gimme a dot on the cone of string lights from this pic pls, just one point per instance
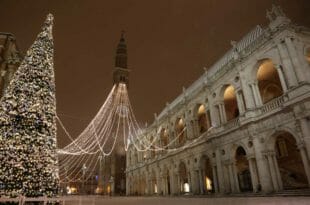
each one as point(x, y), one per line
point(28, 158)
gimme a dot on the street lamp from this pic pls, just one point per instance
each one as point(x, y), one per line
point(84, 171)
point(111, 185)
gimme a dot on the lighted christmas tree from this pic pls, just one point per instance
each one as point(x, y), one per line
point(28, 158)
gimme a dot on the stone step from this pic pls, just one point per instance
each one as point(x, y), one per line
point(294, 192)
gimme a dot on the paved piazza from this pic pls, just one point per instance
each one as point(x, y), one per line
point(186, 201)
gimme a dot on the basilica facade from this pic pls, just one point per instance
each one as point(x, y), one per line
point(243, 126)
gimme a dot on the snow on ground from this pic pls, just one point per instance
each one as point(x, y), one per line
point(88, 200)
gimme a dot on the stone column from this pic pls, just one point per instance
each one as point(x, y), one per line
point(272, 171)
point(240, 101)
point(295, 60)
point(172, 183)
point(236, 180)
point(223, 112)
point(305, 161)
point(215, 184)
point(158, 182)
point(127, 185)
point(259, 97)
point(289, 71)
point(147, 181)
point(256, 93)
point(196, 125)
point(200, 181)
point(282, 79)
point(231, 178)
point(179, 184)
point(227, 183)
point(220, 109)
point(195, 182)
point(253, 173)
point(215, 115)
point(304, 125)
point(190, 132)
point(190, 182)
point(164, 185)
point(248, 95)
point(219, 171)
point(151, 186)
point(203, 181)
point(262, 165)
point(280, 183)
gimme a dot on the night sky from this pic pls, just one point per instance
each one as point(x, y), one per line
point(169, 42)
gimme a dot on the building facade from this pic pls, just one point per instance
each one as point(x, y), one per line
point(10, 58)
point(243, 126)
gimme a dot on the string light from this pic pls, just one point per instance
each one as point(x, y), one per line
point(114, 125)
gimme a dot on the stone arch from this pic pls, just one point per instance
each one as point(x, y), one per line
point(167, 180)
point(206, 174)
point(268, 80)
point(229, 98)
point(180, 131)
point(243, 169)
point(272, 55)
point(289, 162)
point(202, 115)
point(183, 177)
point(164, 138)
point(238, 144)
point(270, 139)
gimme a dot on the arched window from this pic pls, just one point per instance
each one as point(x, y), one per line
point(268, 81)
point(202, 117)
point(207, 177)
point(183, 178)
point(180, 130)
point(230, 103)
point(291, 167)
point(243, 170)
point(164, 138)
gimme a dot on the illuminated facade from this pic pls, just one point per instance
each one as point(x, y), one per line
point(243, 126)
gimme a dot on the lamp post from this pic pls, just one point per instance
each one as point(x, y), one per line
point(66, 180)
point(100, 178)
point(84, 171)
point(111, 185)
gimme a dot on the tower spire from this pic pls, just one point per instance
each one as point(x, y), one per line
point(121, 52)
point(121, 72)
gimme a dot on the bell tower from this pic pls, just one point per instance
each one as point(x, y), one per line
point(121, 72)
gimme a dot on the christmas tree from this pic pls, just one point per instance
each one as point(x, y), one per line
point(28, 157)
